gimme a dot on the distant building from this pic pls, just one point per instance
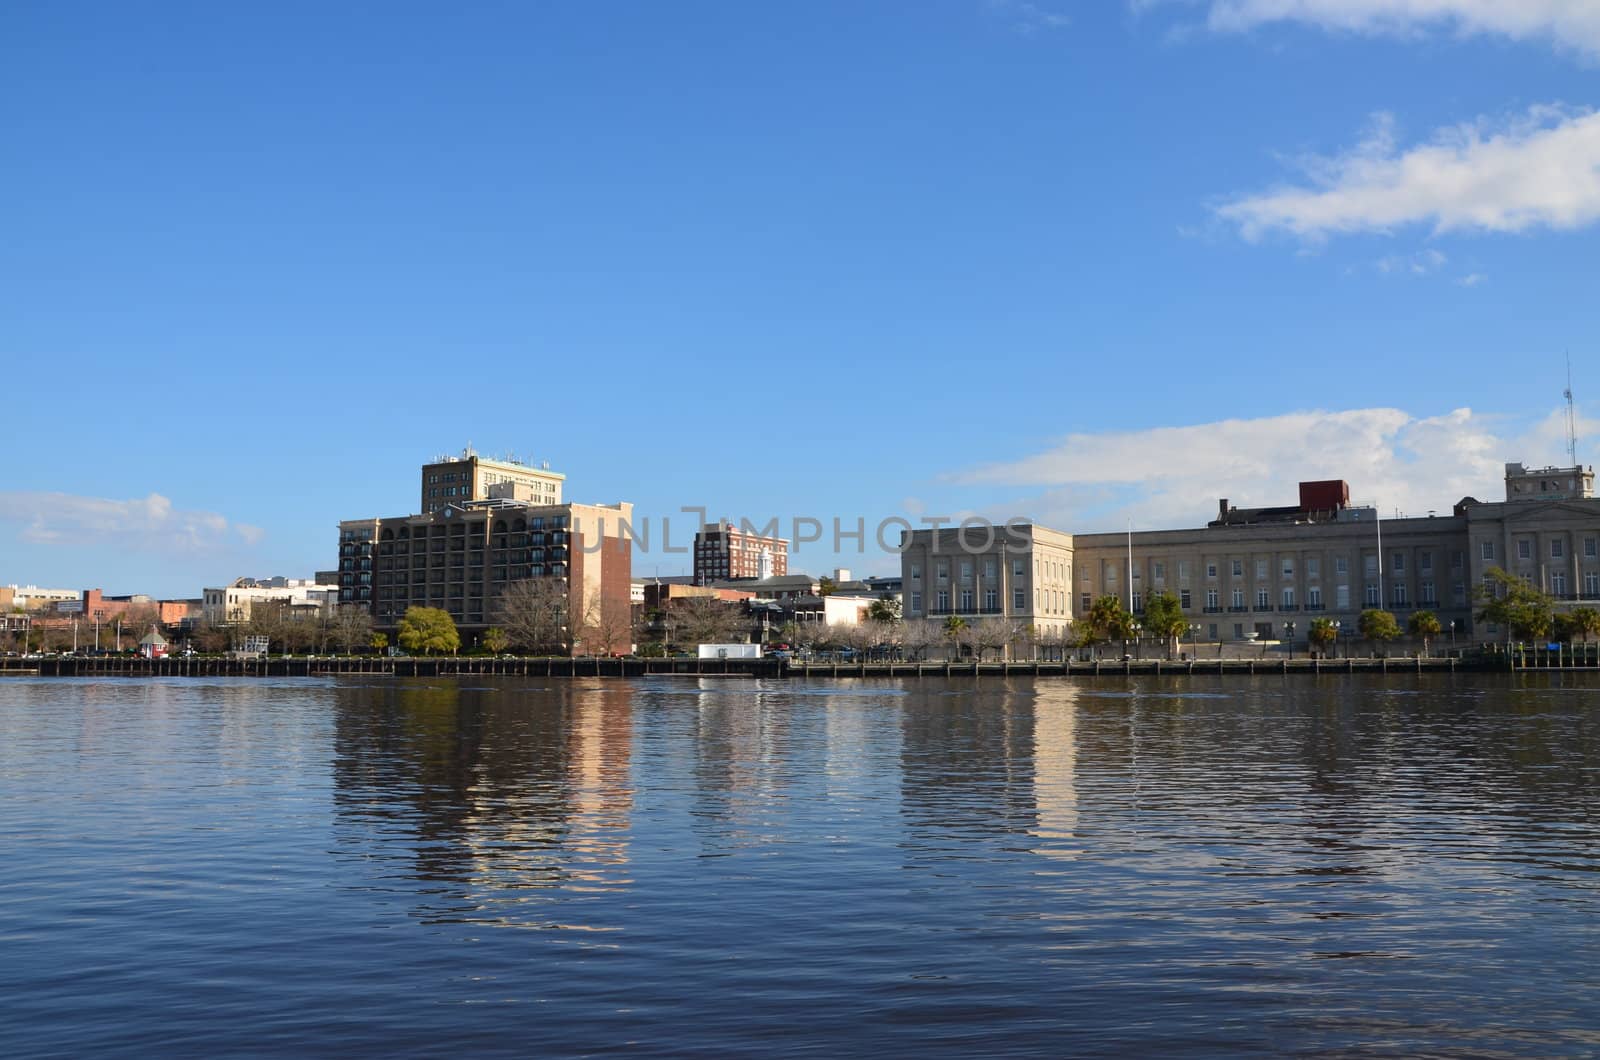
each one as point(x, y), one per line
point(1265, 574)
point(723, 551)
point(469, 477)
point(32, 597)
point(233, 603)
point(461, 557)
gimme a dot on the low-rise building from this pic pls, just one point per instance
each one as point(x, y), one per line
point(232, 604)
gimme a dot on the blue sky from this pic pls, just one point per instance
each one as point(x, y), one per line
point(1084, 262)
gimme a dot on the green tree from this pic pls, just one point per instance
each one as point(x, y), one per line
point(1107, 620)
point(955, 630)
point(1583, 622)
point(1322, 634)
point(495, 640)
point(1514, 603)
point(1378, 625)
point(379, 641)
point(884, 610)
point(1164, 618)
point(428, 630)
point(826, 586)
point(1424, 624)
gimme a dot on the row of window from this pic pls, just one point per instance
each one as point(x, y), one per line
point(1558, 548)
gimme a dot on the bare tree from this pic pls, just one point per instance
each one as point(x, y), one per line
point(707, 620)
point(990, 633)
point(609, 626)
point(352, 627)
point(534, 614)
point(918, 635)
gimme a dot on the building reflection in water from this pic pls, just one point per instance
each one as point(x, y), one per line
point(481, 801)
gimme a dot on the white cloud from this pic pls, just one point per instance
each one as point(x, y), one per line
point(1540, 170)
point(1571, 23)
point(1419, 264)
point(1174, 476)
point(1029, 17)
point(1472, 279)
point(146, 524)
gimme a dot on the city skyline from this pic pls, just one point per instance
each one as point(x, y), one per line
point(1092, 267)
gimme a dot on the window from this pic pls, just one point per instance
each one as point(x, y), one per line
point(1138, 602)
point(1460, 590)
point(1085, 602)
point(966, 599)
point(1211, 631)
point(1238, 599)
point(991, 569)
point(966, 570)
point(1019, 600)
point(1398, 597)
point(1486, 549)
point(1372, 596)
point(1341, 596)
point(991, 599)
point(1591, 584)
point(1425, 561)
point(1183, 570)
point(916, 571)
point(943, 600)
point(916, 602)
point(942, 571)
point(1238, 631)
point(1341, 565)
point(1558, 583)
point(1314, 597)
point(1591, 547)
point(1238, 568)
point(1211, 570)
point(1183, 599)
point(1399, 563)
point(1261, 570)
point(1017, 569)
point(1524, 548)
point(1313, 567)
point(1371, 566)
point(1425, 591)
point(1455, 559)
point(1288, 568)
point(1158, 571)
point(1211, 600)
point(1557, 548)
point(1288, 597)
point(1263, 601)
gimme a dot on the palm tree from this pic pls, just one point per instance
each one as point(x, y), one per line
point(1424, 624)
point(1322, 634)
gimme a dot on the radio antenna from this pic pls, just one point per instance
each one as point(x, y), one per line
point(1572, 420)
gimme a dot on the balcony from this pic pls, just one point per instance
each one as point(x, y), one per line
point(1237, 610)
point(1213, 610)
point(1288, 607)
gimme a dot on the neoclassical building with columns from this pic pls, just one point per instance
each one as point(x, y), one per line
point(1267, 573)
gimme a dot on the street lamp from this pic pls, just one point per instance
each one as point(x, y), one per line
point(1452, 636)
point(1137, 628)
point(1288, 633)
point(1336, 638)
point(1194, 639)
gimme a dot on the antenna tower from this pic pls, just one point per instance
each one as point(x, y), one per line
point(1572, 421)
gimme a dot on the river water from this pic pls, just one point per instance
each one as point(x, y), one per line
point(377, 867)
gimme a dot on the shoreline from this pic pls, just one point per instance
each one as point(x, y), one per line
point(556, 667)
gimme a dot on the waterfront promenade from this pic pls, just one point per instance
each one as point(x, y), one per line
point(1581, 657)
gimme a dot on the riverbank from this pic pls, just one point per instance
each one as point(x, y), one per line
point(325, 666)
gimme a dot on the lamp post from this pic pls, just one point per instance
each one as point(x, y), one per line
point(1336, 638)
point(1137, 629)
point(1452, 636)
point(1194, 639)
point(1288, 633)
